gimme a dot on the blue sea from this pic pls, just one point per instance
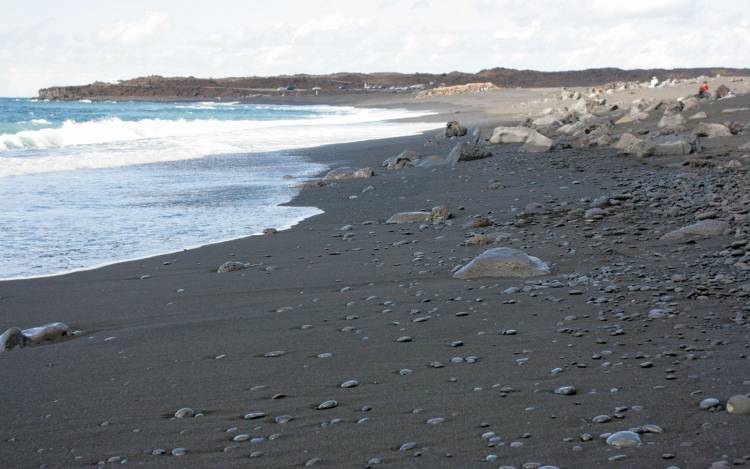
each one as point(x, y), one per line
point(85, 184)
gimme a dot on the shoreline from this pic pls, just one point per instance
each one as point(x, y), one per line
point(437, 363)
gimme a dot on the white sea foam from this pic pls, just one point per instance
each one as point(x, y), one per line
point(40, 121)
point(114, 142)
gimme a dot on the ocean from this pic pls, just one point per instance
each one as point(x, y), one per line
point(85, 184)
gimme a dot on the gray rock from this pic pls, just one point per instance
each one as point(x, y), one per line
point(48, 333)
point(410, 217)
point(349, 173)
point(503, 262)
point(739, 404)
point(466, 151)
point(624, 439)
point(232, 266)
point(669, 145)
point(705, 129)
point(11, 339)
point(629, 144)
point(698, 116)
point(703, 229)
point(454, 129)
point(532, 140)
point(709, 403)
point(185, 412)
point(327, 405)
point(404, 159)
point(672, 123)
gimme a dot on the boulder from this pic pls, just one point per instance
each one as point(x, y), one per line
point(47, 333)
point(454, 129)
point(669, 145)
point(672, 123)
point(705, 129)
point(532, 140)
point(537, 143)
point(690, 103)
point(545, 121)
point(673, 107)
point(348, 173)
point(231, 266)
point(580, 106)
point(722, 92)
point(701, 229)
point(698, 116)
point(503, 262)
point(503, 135)
point(11, 339)
point(402, 160)
point(628, 144)
point(466, 151)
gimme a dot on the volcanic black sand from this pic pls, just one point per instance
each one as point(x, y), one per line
point(448, 373)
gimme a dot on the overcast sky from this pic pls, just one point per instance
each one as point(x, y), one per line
point(61, 42)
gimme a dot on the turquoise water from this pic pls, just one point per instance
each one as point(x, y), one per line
point(86, 184)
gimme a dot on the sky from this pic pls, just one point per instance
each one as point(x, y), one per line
point(66, 42)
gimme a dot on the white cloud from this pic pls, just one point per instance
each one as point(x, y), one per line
point(297, 36)
point(136, 31)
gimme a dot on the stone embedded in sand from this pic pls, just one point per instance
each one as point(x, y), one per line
point(703, 229)
point(466, 151)
point(185, 412)
point(179, 452)
point(402, 160)
point(503, 262)
point(410, 217)
point(709, 403)
point(47, 333)
point(707, 130)
point(435, 421)
point(437, 214)
point(232, 266)
point(11, 339)
point(739, 404)
point(274, 353)
point(565, 391)
point(624, 439)
point(698, 116)
point(454, 129)
point(327, 405)
point(352, 383)
point(254, 415)
point(349, 173)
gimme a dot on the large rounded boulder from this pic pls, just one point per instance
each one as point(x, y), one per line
point(503, 262)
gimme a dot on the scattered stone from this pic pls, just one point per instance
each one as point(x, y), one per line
point(328, 405)
point(185, 412)
point(232, 266)
point(404, 159)
point(624, 439)
point(349, 173)
point(503, 262)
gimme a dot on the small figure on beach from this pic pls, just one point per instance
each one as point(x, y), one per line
point(703, 90)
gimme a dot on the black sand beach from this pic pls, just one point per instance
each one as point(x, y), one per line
point(449, 373)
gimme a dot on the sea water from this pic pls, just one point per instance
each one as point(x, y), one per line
point(85, 184)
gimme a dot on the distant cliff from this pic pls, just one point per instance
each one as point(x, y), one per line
point(157, 87)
